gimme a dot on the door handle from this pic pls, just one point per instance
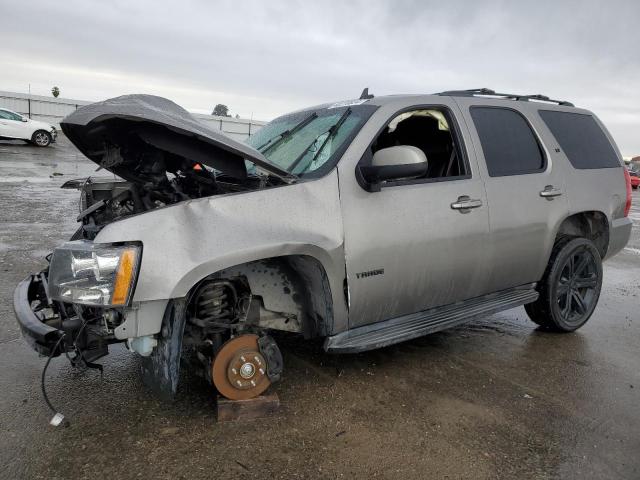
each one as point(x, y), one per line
point(466, 203)
point(550, 192)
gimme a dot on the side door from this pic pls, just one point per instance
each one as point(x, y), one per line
point(5, 126)
point(413, 245)
point(526, 190)
point(11, 125)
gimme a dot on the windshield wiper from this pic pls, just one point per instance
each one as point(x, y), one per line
point(331, 133)
point(286, 134)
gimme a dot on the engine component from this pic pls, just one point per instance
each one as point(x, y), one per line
point(215, 305)
point(162, 180)
point(239, 369)
point(142, 345)
point(211, 317)
point(273, 356)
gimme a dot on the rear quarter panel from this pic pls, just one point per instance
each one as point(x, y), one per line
point(600, 189)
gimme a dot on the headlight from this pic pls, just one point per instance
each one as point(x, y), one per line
point(93, 274)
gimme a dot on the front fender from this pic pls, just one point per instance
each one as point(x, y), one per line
point(186, 242)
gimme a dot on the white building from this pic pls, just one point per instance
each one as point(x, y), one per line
point(53, 110)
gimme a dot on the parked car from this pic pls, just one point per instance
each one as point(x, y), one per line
point(365, 222)
point(634, 174)
point(14, 126)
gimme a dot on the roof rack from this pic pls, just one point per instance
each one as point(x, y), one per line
point(487, 92)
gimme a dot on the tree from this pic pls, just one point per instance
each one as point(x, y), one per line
point(221, 110)
point(55, 91)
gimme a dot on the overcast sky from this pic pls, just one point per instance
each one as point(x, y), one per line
point(268, 57)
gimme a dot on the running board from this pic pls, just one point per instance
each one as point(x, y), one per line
point(406, 327)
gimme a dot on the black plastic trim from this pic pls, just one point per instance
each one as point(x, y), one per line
point(40, 336)
point(487, 92)
point(413, 325)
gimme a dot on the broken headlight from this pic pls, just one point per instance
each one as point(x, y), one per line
point(93, 274)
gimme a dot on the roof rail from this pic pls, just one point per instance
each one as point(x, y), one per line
point(487, 92)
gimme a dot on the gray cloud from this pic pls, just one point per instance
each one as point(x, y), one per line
point(265, 58)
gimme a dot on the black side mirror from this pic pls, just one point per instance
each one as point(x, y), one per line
point(394, 163)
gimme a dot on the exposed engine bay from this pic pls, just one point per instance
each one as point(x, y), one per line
point(104, 200)
point(159, 155)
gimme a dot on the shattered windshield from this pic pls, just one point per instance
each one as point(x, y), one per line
point(309, 143)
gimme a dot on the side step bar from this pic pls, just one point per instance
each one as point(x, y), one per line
point(406, 327)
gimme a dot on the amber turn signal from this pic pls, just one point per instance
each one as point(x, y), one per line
point(124, 277)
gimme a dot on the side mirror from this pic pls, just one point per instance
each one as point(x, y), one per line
point(24, 119)
point(394, 163)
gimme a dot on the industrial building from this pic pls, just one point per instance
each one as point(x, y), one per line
point(53, 110)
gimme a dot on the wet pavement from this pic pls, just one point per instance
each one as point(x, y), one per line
point(495, 399)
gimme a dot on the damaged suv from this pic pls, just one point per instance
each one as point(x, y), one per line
point(364, 222)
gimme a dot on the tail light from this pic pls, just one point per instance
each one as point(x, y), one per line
point(627, 179)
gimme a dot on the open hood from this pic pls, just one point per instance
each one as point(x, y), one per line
point(134, 134)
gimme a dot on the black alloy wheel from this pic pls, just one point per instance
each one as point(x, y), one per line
point(570, 288)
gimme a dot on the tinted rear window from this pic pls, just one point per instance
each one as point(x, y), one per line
point(508, 143)
point(581, 138)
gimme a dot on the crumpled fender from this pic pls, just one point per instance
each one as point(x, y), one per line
point(185, 242)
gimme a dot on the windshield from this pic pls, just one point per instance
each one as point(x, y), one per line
point(309, 143)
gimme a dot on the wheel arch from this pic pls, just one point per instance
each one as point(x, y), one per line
point(35, 132)
point(591, 224)
point(286, 282)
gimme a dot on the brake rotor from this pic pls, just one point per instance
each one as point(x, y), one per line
point(239, 370)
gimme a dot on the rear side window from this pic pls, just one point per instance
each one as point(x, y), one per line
point(508, 143)
point(581, 138)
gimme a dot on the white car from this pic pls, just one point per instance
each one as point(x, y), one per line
point(14, 126)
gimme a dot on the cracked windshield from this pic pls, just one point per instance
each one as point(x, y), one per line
point(304, 142)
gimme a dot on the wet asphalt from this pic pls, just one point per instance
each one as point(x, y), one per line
point(494, 399)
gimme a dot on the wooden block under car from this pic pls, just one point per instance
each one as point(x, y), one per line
point(240, 410)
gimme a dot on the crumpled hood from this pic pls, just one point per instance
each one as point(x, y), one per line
point(113, 131)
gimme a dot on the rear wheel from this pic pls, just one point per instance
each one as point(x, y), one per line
point(570, 288)
point(41, 138)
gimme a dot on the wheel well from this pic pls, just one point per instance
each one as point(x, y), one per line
point(293, 284)
point(592, 225)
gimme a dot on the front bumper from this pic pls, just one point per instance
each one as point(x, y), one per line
point(42, 337)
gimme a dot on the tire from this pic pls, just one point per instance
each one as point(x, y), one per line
point(570, 288)
point(40, 138)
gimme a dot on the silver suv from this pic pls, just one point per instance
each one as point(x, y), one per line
point(365, 222)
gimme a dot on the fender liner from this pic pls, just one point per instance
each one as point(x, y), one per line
point(161, 370)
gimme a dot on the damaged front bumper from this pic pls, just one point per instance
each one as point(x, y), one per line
point(53, 328)
point(87, 330)
point(42, 336)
